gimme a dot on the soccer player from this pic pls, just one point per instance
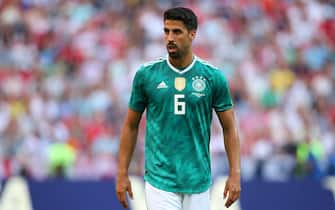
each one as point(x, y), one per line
point(179, 93)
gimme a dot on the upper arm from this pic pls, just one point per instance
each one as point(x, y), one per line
point(138, 99)
point(133, 118)
point(221, 94)
point(227, 119)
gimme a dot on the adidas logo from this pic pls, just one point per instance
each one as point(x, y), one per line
point(161, 85)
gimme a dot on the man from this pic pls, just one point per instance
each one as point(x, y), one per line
point(178, 93)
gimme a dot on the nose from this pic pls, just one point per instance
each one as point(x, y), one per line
point(170, 37)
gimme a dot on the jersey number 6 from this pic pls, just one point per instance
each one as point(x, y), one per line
point(179, 105)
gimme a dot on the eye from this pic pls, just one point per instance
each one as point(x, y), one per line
point(166, 31)
point(177, 31)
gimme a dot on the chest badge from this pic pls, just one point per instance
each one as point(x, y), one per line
point(180, 83)
point(198, 83)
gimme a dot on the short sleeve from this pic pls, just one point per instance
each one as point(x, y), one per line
point(221, 94)
point(138, 99)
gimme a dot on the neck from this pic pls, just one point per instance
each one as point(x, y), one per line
point(183, 61)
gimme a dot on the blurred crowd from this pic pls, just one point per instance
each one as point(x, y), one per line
point(66, 68)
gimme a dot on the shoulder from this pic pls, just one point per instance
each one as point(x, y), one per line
point(147, 67)
point(207, 65)
point(153, 63)
point(211, 69)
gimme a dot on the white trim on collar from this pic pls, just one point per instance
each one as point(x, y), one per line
point(184, 70)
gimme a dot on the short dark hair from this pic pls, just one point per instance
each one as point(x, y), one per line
point(183, 14)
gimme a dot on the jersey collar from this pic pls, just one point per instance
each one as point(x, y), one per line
point(184, 70)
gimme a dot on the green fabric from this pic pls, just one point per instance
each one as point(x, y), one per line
point(314, 147)
point(177, 157)
point(270, 99)
point(61, 155)
point(302, 152)
point(317, 149)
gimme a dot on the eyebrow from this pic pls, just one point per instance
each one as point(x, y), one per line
point(174, 29)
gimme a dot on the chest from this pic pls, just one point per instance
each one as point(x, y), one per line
point(179, 91)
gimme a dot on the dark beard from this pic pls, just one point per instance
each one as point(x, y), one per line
point(175, 55)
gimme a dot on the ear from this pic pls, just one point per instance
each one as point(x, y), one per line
point(192, 34)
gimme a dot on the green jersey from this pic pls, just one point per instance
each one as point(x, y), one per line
point(179, 107)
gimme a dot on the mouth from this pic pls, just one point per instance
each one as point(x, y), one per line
point(172, 48)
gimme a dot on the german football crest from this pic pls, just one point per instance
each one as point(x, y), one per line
point(180, 83)
point(198, 83)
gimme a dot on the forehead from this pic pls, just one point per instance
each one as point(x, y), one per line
point(174, 24)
